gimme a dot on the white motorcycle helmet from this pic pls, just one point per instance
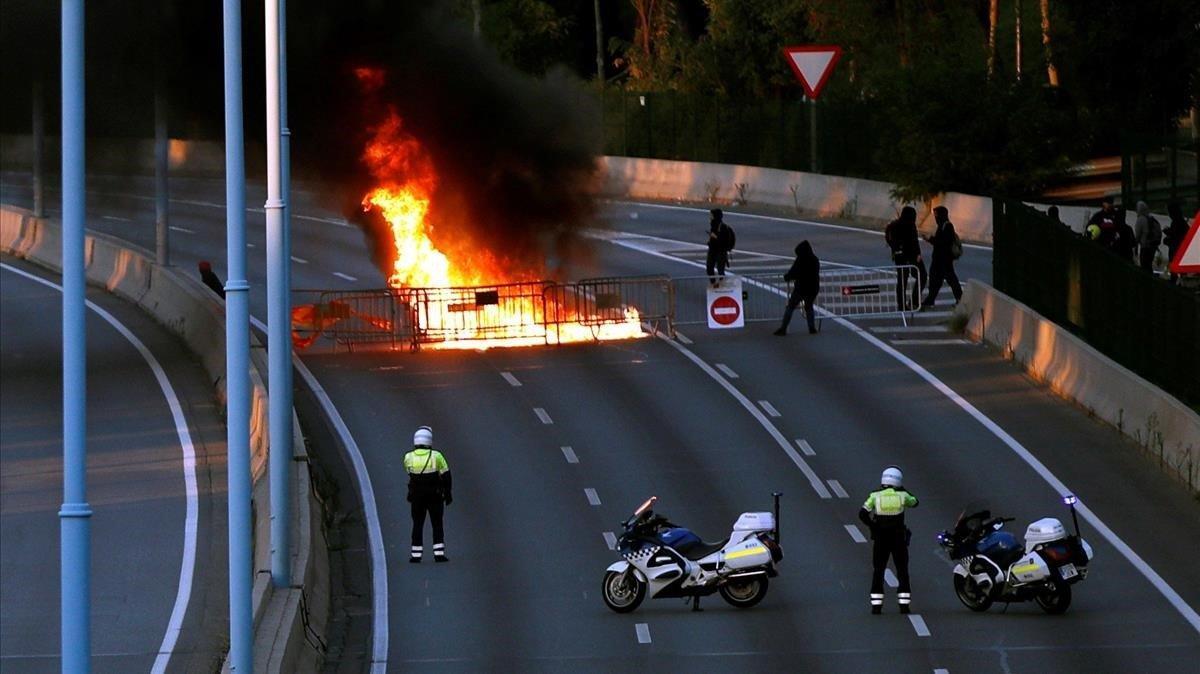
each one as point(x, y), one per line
point(891, 477)
point(423, 437)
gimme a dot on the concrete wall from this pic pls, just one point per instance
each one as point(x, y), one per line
point(805, 193)
point(130, 156)
point(196, 314)
point(1163, 426)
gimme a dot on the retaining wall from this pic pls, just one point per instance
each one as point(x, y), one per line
point(196, 314)
point(1166, 428)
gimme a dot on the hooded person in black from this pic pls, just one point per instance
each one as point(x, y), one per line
point(1175, 232)
point(805, 276)
point(941, 266)
point(720, 242)
point(901, 237)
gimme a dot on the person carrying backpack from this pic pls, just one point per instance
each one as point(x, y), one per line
point(721, 240)
point(946, 249)
point(1148, 233)
point(901, 237)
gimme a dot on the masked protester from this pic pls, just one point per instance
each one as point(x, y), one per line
point(901, 236)
point(805, 276)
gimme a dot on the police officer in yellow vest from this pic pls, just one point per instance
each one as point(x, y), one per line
point(428, 492)
point(883, 513)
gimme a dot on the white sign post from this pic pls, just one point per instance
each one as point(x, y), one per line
point(725, 304)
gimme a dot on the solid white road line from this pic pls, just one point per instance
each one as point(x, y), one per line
point(542, 415)
point(857, 535)
point(379, 584)
point(890, 578)
point(569, 454)
point(908, 328)
point(345, 276)
point(183, 592)
point(813, 480)
point(769, 408)
point(643, 633)
point(185, 230)
point(299, 260)
point(919, 625)
point(927, 342)
point(754, 216)
point(837, 488)
point(726, 371)
point(512, 381)
point(592, 497)
point(610, 539)
point(683, 338)
point(1189, 614)
point(805, 447)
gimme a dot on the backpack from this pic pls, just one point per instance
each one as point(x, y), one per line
point(730, 238)
point(956, 247)
point(1155, 230)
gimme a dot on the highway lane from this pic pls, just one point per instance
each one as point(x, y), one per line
point(933, 439)
point(137, 490)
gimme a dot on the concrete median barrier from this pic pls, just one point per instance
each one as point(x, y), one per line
point(288, 621)
point(1164, 427)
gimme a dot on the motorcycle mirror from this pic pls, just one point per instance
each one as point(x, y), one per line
point(645, 506)
point(998, 525)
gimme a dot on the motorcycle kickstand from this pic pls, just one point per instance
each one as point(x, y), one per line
point(696, 604)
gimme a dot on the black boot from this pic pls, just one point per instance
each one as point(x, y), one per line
point(781, 332)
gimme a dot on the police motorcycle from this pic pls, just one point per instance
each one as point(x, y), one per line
point(991, 565)
point(662, 560)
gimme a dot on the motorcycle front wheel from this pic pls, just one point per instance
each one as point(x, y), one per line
point(744, 592)
point(1056, 599)
point(623, 592)
point(971, 595)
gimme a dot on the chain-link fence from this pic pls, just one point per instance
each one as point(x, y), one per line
point(1144, 323)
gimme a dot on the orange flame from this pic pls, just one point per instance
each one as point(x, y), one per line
point(407, 182)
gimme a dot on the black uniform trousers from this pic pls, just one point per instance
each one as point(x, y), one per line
point(893, 545)
point(433, 505)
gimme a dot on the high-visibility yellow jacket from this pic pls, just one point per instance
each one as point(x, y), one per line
point(428, 473)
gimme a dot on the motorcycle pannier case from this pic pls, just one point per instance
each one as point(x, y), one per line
point(1044, 530)
point(749, 553)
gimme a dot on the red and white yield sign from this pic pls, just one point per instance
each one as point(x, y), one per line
point(813, 64)
point(1187, 258)
point(725, 304)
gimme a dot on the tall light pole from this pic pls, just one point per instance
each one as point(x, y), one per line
point(75, 515)
point(39, 148)
point(279, 341)
point(237, 353)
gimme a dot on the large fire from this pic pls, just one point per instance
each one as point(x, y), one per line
point(406, 182)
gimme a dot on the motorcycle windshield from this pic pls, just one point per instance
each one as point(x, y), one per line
point(972, 517)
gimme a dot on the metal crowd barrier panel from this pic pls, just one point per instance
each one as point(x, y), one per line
point(850, 292)
point(483, 312)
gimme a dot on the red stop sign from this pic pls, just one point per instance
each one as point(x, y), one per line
point(725, 310)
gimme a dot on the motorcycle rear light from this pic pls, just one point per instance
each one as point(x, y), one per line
point(1057, 554)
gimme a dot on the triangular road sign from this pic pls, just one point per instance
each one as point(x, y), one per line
point(1187, 258)
point(813, 64)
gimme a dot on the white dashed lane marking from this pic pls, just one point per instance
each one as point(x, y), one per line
point(346, 277)
point(185, 230)
point(116, 217)
point(541, 414)
point(927, 342)
point(726, 371)
point(643, 633)
point(918, 624)
point(805, 447)
point(610, 539)
point(837, 488)
point(941, 671)
point(769, 408)
point(299, 260)
point(890, 578)
point(512, 381)
point(569, 454)
point(857, 535)
point(592, 497)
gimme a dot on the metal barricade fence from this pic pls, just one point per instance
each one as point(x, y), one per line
point(352, 318)
point(483, 312)
point(850, 292)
